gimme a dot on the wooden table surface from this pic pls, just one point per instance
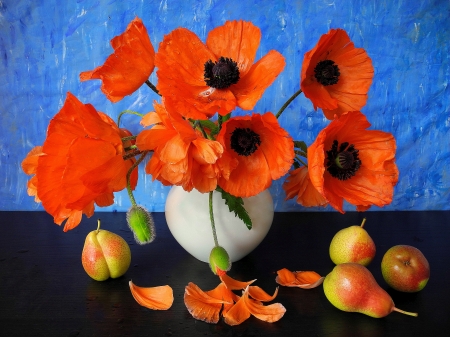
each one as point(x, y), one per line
point(44, 290)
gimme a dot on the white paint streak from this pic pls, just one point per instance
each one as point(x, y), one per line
point(417, 30)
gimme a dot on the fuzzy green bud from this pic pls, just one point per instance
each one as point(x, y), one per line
point(141, 224)
point(219, 260)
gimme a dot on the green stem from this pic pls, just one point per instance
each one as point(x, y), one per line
point(301, 161)
point(130, 192)
point(131, 112)
point(211, 216)
point(150, 84)
point(124, 139)
point(285, 105)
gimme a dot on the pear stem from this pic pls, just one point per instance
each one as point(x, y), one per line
point(363, 222)
point(98, 225)
point(415, 314)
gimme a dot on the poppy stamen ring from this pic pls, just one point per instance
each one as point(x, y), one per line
point(244, 141)
point(221, 74)
point(327, 72)
point(342, 162)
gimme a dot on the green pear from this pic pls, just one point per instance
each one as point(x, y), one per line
point(352, 244)
point(105, 255)
point(351, 287)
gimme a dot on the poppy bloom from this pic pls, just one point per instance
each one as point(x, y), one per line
point(257, 150)
point(202, 79)
point(79, 164)
point(298, 184)
point(182, 156)
point(335, 75)
point(346, 161)
point(129, 66)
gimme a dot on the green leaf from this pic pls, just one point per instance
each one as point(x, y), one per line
point(210, 125)
point(236, 205)
point(301, 145)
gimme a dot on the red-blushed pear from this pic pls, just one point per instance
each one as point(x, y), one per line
point(351, 287)
point(405, 268)
point(352, 244)
point(105, 255)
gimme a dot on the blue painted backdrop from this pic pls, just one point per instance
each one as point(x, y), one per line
point(44, 45)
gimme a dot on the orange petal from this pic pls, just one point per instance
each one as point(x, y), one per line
point(156, 298)
point(201, 305)
point(238, 313)
point(246, 307)
point(270, 313)
point(300, 279)
point(233, 284)
point(260, 295)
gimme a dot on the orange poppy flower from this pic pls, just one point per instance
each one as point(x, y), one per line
point(207, 306)
point(257, 150)
point(155, 298)
point(335, 75)
point(202, 79)
point(79, 164)
point(129, 66)
point(300, 279)
point(298, 184)
point(346, 161)
point(182, 156)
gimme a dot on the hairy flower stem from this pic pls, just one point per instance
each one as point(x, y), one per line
point(211, 216)
point(130, 192)
point(131, 112)
point(150, 84)
point(285, 105)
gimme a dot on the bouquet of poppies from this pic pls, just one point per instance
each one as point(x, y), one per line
point(192, 139)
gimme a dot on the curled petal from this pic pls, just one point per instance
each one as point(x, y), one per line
point(156, 298)
point(246, 307)
point(233, 284)
point(258, 294)
point(300, 279)
point(201, 305)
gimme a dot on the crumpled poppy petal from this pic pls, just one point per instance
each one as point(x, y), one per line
point(268, 313)
point(156, 298)
point(221, 292)
point(233, 284)
point(238, 313)
point(300, 279)
point(258, 294)
point(201, 305)
point(246, 307)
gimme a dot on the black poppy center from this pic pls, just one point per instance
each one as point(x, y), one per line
point(221, 74)
point(342, 160)
point(245, 141)
point(327, 72)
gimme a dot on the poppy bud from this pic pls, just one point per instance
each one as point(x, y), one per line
point(141, 224)
point(219, 261)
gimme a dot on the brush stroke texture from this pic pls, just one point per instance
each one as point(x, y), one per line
point(44, 45)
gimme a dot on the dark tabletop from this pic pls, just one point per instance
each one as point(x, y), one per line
point(44, 290)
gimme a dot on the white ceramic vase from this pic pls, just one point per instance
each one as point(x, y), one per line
point(187, 215)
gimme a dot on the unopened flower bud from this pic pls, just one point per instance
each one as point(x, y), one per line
point(141, 224)
point(219, 261)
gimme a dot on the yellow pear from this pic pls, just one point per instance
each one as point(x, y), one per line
point(105, 255)
point(352, 244)
point(351, 287)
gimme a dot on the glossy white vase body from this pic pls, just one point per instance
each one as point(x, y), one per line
point(187, 215)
